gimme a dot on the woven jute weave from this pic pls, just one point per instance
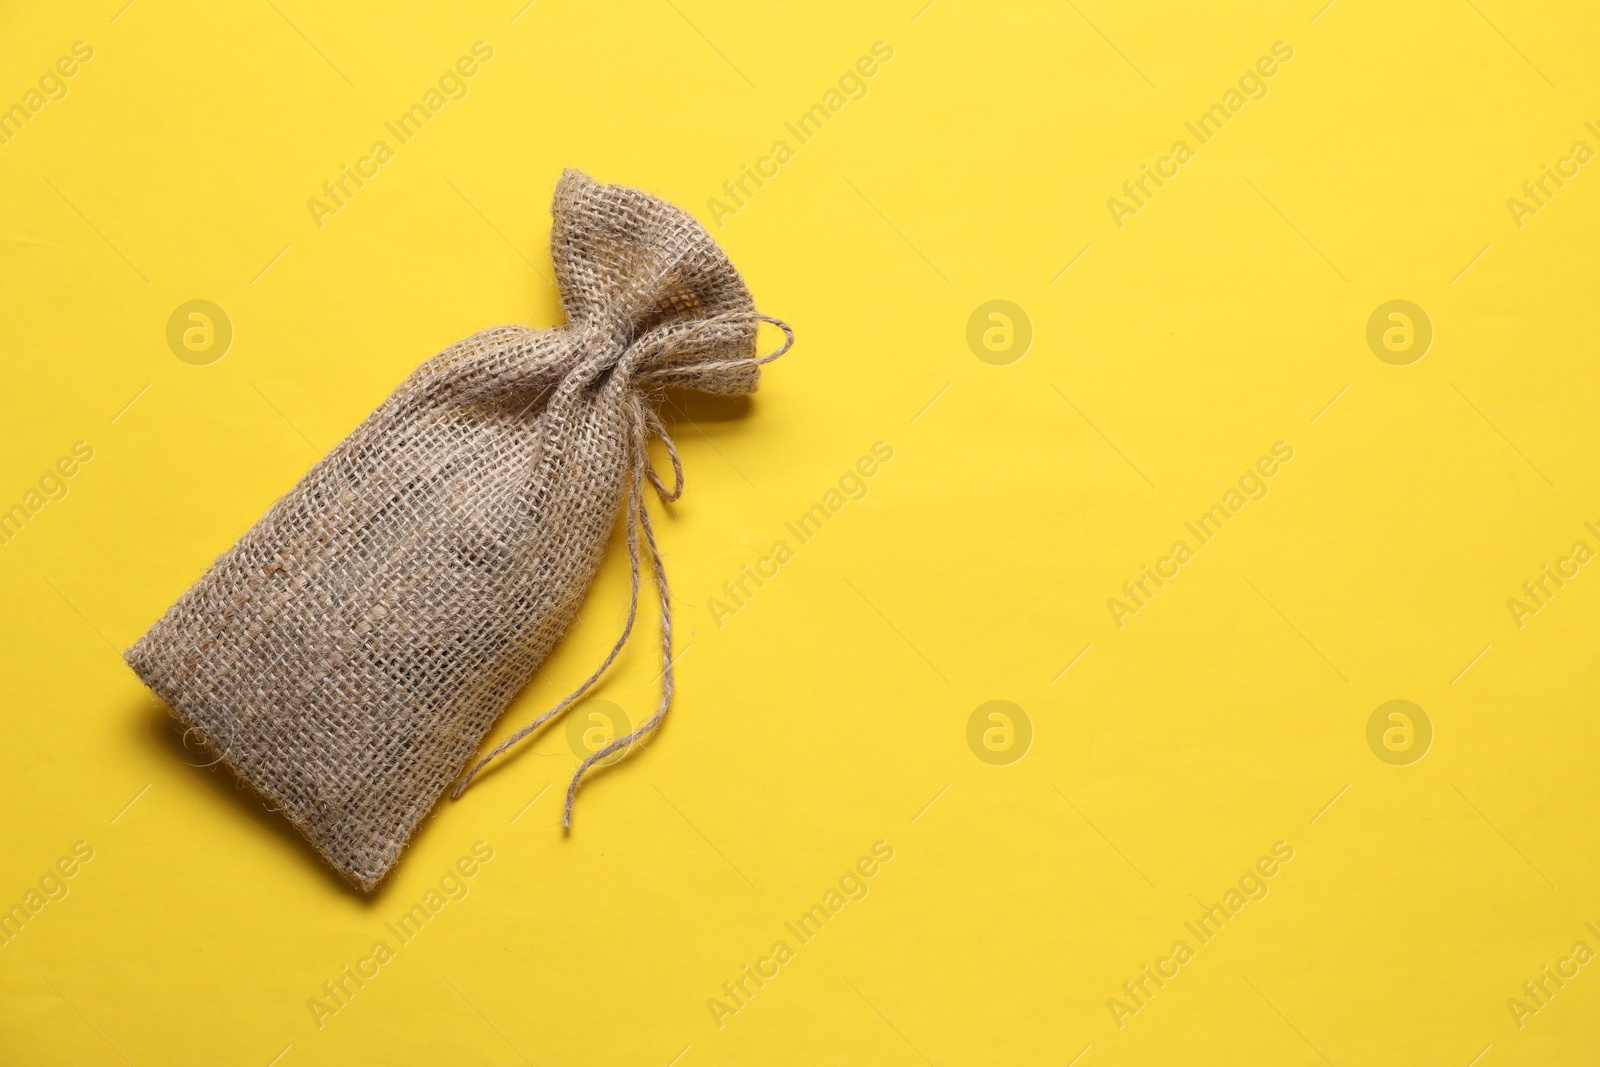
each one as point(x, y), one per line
point(347, 656)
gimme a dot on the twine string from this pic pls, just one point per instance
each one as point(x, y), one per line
point(645, 425)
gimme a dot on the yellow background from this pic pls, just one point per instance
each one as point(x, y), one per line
point(831, 711)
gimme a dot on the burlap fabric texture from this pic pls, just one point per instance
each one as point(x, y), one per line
point(347, 656)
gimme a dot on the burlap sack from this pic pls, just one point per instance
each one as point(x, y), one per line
point(348, 654)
